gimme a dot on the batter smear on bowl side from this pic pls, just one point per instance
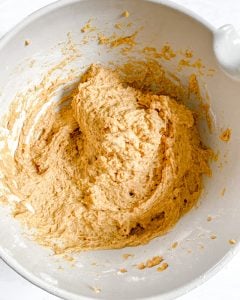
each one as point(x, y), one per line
point(116, 167)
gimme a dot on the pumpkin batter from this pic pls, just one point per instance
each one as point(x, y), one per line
point(114, 168)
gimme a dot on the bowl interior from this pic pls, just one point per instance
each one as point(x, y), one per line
point(95, 274)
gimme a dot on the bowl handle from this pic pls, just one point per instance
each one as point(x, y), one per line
point(226, 45)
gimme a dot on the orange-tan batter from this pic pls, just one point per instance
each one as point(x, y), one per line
point(115, 167)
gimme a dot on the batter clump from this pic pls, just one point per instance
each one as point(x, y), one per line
point(116, 167)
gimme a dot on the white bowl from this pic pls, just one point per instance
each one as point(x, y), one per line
point(197, 255)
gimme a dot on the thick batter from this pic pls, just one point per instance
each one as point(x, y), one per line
point(114, 168)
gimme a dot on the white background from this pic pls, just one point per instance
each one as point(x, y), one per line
point(226, 284)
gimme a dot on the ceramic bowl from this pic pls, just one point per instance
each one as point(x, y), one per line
point(95, 274)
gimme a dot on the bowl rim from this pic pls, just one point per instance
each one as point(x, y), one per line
point(63, 294)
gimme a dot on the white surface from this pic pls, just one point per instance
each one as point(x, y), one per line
point(226, 283)
point(227, 49)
